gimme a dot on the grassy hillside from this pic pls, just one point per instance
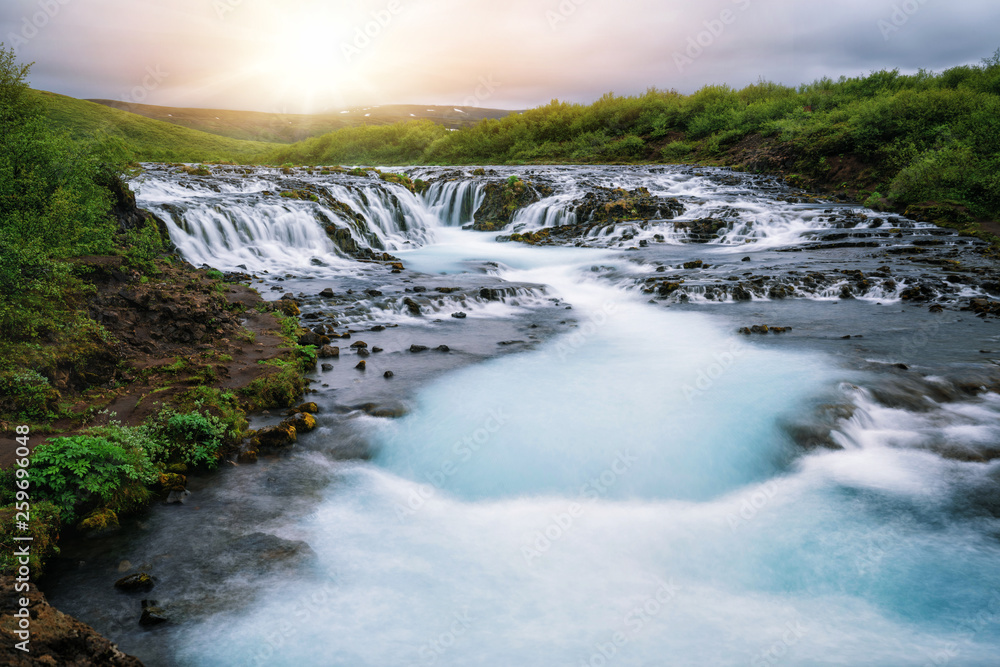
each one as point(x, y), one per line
point(289, 128)
point(151, 140)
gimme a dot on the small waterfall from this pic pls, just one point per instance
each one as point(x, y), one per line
point(254, 236)
point(454, 203)
point(549, 212)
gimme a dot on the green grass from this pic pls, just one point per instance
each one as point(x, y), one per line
point(150, 140)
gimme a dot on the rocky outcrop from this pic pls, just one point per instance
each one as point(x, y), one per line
point(503, 200)
point(56, 639)
point(610, 205)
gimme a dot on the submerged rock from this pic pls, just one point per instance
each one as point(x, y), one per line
point(139, 581)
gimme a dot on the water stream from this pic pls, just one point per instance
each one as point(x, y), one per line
point(622, 482)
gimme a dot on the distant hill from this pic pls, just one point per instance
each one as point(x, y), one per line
point(290, 128)
point(152, 140)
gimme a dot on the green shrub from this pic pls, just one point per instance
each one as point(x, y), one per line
point(79, 472)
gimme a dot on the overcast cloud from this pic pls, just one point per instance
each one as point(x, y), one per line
point(312, 55)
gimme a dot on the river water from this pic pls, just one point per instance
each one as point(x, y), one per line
point(592, 474)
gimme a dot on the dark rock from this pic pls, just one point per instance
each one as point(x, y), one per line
point(363, 352)
point(745, 259)
point(362, 365)
point(326, 367)
point(152, 614)
point(135, 582)
point(377, 349)
point(741, 293)
point(281, 435)
point(418, 348)
point(443, 348)
point(56, 638)
point(310, 338)
point(358, 344)
point(388, 374)
point(412, 306)
point(328, 352)
point(459, 315)
point(327, 293)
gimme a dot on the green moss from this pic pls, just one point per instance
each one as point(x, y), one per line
point(43, 527)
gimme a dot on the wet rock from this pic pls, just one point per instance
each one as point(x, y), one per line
point(459, 315)
point(327, 293)
point(388, 374)
point(362, 365)
point(303, 422)
point(141, 581)
point(282, 435)
point(384, 410)
point(442, 348)
point(363, 352)
point(702, 230)
point(501, 200)
point(177, 497)
point(746, 259)
point(152, 614)
point(412, 306)
point(172, 482)
point(377, 349)
point(696, 264)
point(358, 344)
point(759, 329)
point(99, 523)
point(741, 293)
point(326, 367)
point(310, 407)
point(418, 348)
point(310, 338)
point(328, 352)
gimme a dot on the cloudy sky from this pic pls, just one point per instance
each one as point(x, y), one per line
point(325, 55)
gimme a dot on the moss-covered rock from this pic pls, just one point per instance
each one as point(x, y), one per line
point(303, 422)
point(503, 199)
point(282, 435)
point(140, 581)
point(98, 523)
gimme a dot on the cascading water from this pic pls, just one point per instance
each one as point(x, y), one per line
point(633, 489)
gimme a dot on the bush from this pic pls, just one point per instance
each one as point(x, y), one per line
point(83, 471)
